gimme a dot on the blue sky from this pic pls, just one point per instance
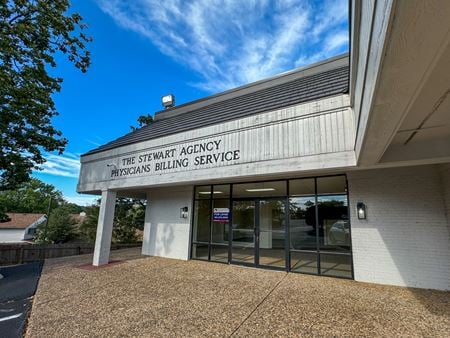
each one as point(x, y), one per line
point(143, 49)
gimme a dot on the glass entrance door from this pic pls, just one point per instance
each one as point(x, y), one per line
point(243, 233)
point(259, 232)
point(272, 233)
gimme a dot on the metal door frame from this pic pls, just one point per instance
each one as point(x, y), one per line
point(257, 231)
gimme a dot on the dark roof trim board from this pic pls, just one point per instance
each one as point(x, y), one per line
point(327, 78)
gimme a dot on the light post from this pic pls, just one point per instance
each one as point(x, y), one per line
point(46, 223)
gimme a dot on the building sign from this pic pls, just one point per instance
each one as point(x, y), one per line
point(174, 159)
point(221, 215)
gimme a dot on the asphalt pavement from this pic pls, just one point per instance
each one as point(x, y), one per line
point(17, 288)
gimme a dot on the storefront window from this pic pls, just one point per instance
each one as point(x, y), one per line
point(301, 187)
point(211, 223)
point(201, 220)
point(219, 225)
point(302, 223)
point(259, 189)
point(221, 191)
point(305, 262)
point(314, 237)
point(332, 185)
point(336, 265)
point(203, 192)
point(334, 226)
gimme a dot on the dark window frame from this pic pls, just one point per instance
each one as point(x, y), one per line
point(286, 197)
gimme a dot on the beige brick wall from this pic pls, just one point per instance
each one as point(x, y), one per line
point(405, 239)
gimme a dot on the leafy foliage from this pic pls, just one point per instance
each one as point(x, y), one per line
point(143, 120)
point(60, 227)
point(31, 33)
point(33, 197)
point(88, 229)
point(30, 197)
point(128, 217)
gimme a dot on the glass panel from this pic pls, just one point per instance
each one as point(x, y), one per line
point(304, 262)
point(221, 191)
point(336, 265)
point(332, 185)
point(243, 236)
point(220, 225)
point(201, 220)
point(219, 253)
point(272, 215)
point(243, 254)
point(302, 223)
point(272, 233)
point(302, 187)
point(200, 251)
point(260, 189)
point(334, 226)
point(243, 222)
point(203, 191)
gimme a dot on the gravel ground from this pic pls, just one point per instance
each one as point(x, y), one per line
point(161, 297)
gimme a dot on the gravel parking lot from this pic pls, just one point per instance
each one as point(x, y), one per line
point(151, 296)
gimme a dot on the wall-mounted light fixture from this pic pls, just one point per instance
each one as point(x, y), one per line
point(184, 212)
point(361, 210)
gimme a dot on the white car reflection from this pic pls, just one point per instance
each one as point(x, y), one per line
point(339, 233)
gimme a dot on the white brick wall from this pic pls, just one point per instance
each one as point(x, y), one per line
point(165, 233)
point(405, 239)
point(444, 172)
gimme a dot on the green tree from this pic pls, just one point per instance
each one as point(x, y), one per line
point(31, 33)
point(73, 208)
point(143, 120)
point(30, 197)
point(60, 227)
point(88, 229)
point(128, 217)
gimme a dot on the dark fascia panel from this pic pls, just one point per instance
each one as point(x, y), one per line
point(327, 78)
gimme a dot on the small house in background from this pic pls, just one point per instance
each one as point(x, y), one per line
point(20, 227)
point(78, 218)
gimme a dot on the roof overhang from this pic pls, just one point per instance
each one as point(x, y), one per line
point(400, 80)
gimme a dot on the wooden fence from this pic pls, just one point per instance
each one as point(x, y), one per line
point(25, 253)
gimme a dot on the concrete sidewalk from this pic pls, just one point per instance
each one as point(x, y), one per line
point(154, 296)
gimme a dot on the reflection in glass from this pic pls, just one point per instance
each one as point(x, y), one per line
point(332, 185)
point(334, 226)
point(243, 254)
point(336, 265)
point(203, 192)
point(304, 262)
point(302, 223)
point(221, 191)
point(219, 253)
point(272, 233)
point(243, 235)
point(201, 220)
point(319, 227)
point(303, 186)
point(243, 222)
point(200, 251)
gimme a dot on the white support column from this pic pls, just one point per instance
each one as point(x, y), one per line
point(104, 228)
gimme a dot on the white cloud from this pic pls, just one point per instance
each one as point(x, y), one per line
point(67, 165)
point(229, 43)
point(332, 44)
